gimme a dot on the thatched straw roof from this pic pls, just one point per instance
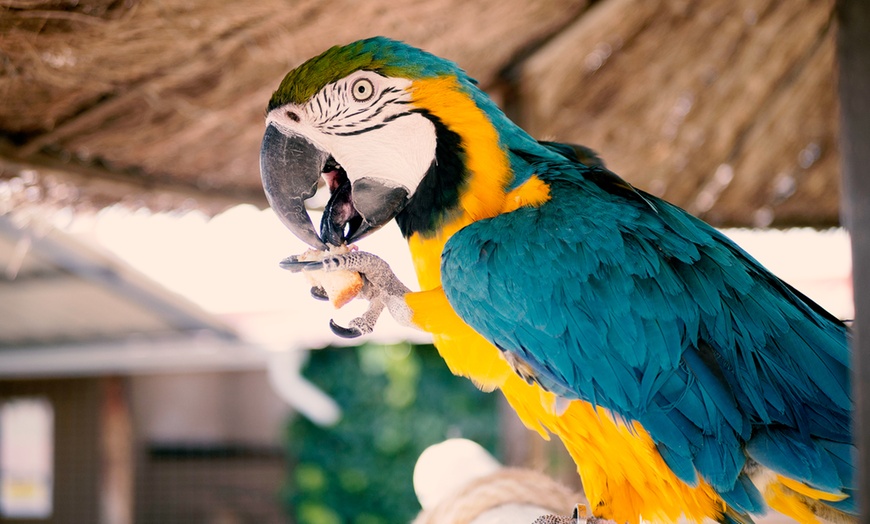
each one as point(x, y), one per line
point(727, 108)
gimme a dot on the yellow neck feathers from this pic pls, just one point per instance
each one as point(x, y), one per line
point(487, 163)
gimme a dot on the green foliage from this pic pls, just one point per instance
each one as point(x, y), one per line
point(396, 401)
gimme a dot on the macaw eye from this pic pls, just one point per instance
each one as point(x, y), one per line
point(362, 90)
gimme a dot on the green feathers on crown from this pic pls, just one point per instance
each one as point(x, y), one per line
point(379, 54)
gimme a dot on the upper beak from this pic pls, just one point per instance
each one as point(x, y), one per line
point(291, 166)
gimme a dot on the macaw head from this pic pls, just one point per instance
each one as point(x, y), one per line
point(394, 132)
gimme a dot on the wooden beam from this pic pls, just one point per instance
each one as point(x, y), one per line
point(853, 53)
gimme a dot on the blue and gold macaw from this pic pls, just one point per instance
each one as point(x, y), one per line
point(682, 376)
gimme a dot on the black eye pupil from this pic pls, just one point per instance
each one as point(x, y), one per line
point(362, 90)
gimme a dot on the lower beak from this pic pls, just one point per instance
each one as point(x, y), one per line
point(291, 166)
point(359, 208)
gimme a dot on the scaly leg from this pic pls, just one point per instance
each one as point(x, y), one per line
point(381, 288)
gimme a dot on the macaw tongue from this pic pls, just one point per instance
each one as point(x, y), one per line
point(333, 174)
point(339, 214)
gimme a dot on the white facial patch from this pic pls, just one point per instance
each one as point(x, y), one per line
point(401, 151)
point(368, 124)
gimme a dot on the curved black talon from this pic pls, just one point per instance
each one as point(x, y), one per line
point(343, 331)
point(319, 293)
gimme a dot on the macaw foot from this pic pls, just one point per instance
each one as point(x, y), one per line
point(577, 517)
point(381, 288)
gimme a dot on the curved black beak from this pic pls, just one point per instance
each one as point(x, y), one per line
point(290, 167)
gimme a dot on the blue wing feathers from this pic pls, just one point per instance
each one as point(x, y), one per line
point(722, 459)
point(649, 312)
point(718, 393)
point(842, 455)
point(680, 463)
point(807, 460)
point(745, 496)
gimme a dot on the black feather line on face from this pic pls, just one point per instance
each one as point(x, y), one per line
point(437, 195)
point(358, 131)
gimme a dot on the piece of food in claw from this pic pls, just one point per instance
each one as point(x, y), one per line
point(341, 286)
